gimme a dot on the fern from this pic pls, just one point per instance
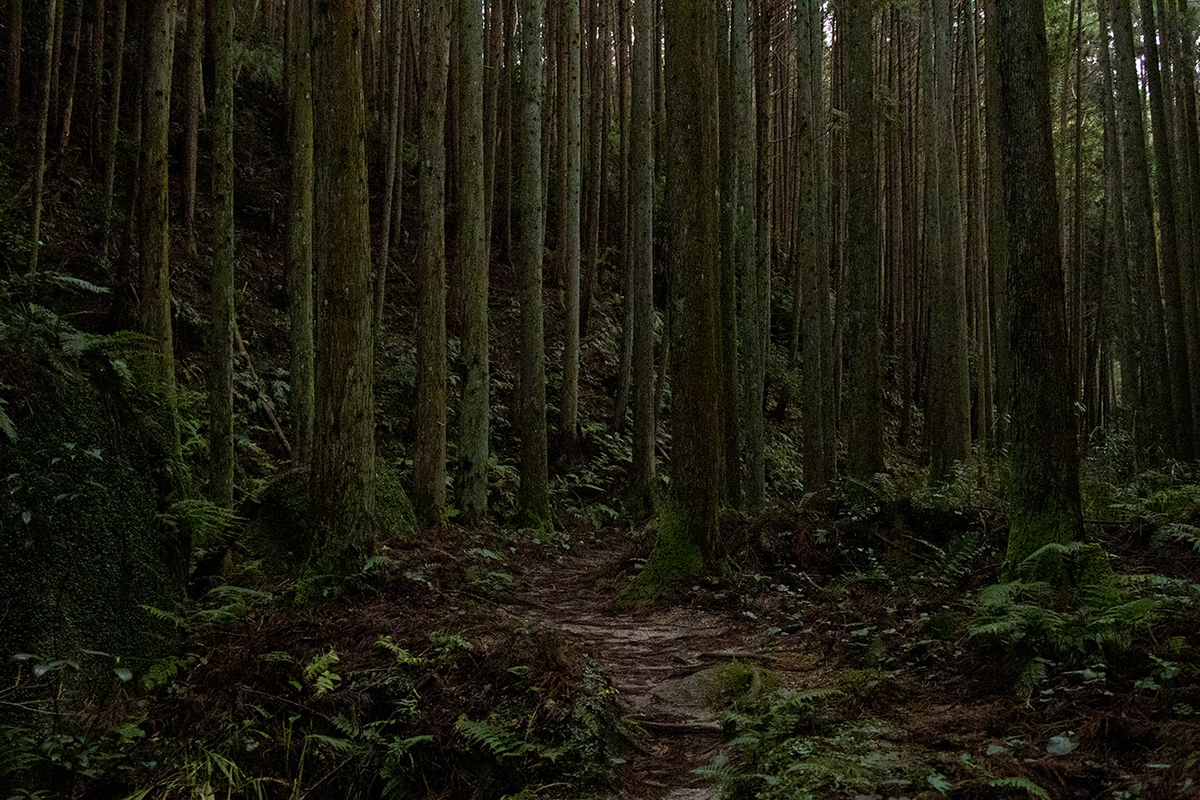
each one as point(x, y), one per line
point(319, 672)
point(500, 741)
point(1029, 786)
point(1176, 532)
point(403, 657)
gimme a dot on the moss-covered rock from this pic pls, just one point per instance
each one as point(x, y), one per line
point(81, 544)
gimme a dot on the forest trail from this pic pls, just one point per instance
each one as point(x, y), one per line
point(655, 659)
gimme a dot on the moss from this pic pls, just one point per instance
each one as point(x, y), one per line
point(675, 560)
point(393, 509)
point(281, 528)
point(80, 536)
point(740, 684)
point(1030, 532)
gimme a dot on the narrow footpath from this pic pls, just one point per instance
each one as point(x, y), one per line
point(652, 658)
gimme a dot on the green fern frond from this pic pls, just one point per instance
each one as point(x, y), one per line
point(1029, 786)
point(497, 739)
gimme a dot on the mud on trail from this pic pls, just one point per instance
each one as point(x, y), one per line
point(660, 661)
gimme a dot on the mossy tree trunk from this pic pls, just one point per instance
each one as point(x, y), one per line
point(473, 261)
point(533, 495)
point(429, 457)
point(43, 133)
point(1179, 365)
point(194, 73)
point(742, 149)
point(997, 231)
point(571, 244)
point(692, 131)
point(641, 230)
point(221, 333)
point(1045, 463)
point(394, 170)
point(299, 263)
point(756, 315)
point(812, 254)
point(112, 126)
point(343, 455)
point(949, 423)
point(153, 232)
point(12, 85)
point(863, 417)
point(1146, 300)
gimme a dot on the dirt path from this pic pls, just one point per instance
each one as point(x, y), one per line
point(650, 657)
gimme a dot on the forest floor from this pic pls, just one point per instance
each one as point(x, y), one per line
point(833, 658)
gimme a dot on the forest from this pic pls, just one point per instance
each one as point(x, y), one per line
point(648, 399)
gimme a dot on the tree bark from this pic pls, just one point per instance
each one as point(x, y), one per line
point(641, 233)
point(949, 424)
point(12, 85)
point(1045, 466)
point(194, 76)
point(1144, 278)
point(1179, 443)
point(39, 173)
point(429, 458)
point(112, 127)
point(690, 519)
point(299, 264)
point(343, 452)
point(812, 250)
point(569, 422)
point(533, 495)
point(473, 261)
point(864, 387)
point(221, 333)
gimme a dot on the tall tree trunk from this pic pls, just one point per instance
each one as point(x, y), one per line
point(533, 496)
point(744, 151)
point(1179, 442)
point(864, 387)
point(429, 458)
point(688, 525)
point(299, 264)
point(1147, 302)
point(997, 229)
point(193, 90)
point(812, 254)
point(949, 424)
point(221, 334)
point(154, 285)
point(473, 261)
point(394, 170)
point(757, 280)
point(74, 36)
point(96, 79)
point(728, 412)
point(569, 423)
point(1045, 464)
point(39, 173)
point(343, 451)
point(1117, 241)
point(12, 84)
point(641, 233)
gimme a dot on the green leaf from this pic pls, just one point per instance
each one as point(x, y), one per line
point(996, 749)
point(124, 673)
